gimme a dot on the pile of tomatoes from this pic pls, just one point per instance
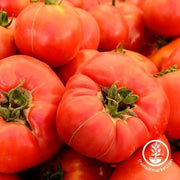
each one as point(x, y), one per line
point(85, 85)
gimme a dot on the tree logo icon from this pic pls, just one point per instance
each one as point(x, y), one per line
point(155, 153)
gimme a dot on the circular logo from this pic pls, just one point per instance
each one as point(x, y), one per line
point(155, 153)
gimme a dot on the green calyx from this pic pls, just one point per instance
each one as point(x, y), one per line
point(120, 49)
point(166, 71)
point(49, 174)
point(119, 102)
point(4, 19)
point(13, 103)
point(53, 2)
point(113, 2)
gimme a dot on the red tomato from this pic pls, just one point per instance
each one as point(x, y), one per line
point(172, 60)
point(176, 157)
point(54, 38)
point(163, 53)
point(169, 83)
point(9, 177)
point(92, 115)
point(162, 17)
point(27, 121)
point(66, 71)
point(75, 166)
point(137, 31)
point(132, 169)
point(113, 27)
point(14, 7)
point(7, 45)
point(91, 32)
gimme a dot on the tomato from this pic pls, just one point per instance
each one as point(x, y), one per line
point(132, 169)
point(176, 157)
point(74, 166)
point(172, 60)
point(7, 45)
point(137, 31)
point(9, 177)
point(14, 7)
point(92, 115)
point(54, 38)
point(66, 71)
point(164, 52)
point(29, 94)
point(113, 27)
point(168, 80)
point(91, 32)
point(162, 17)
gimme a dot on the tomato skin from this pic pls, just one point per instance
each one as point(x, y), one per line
point(91, 32)
point(113, 27)
point(21, 148)
point(131, 169)
point(171, 88)
point(163, 53)
point(37, 35)
point(14, 7)
point(9, 177)
point(115, 142)
point(144, 62)
point(78, 167)
point(66, 71)
point(176, 157)
point(7, 45)
point(172, 60)
point(162, 17)
point(137, 30)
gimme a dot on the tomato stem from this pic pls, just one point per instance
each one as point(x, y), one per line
point(120, 49)
point(119, 102)
point(52, 2)
point(4, 19)
point(113, 2)
point(166, 71)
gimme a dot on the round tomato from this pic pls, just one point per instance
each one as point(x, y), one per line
point(113, 26)
point(106, 102)
point(172, 60)
point(168, 80)
point(52, 33)
point(7, 45)
point(14, 7)
point(137, 31)
point(162, 17)
point(29, 94)
point(160, 55)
